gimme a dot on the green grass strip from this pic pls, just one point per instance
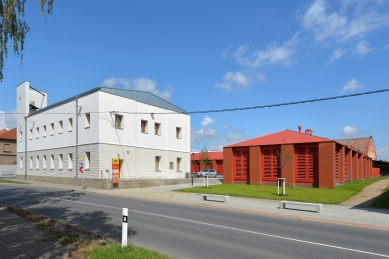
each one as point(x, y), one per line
point(316, 195)
point(115, 251)
point(10, 181)
point(383, 200)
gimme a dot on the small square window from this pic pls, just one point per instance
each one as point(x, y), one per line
point(37, 163)
point(7, 148)
point(51, 162)
point(118, 121)
point(70, 124)
point(70, 161)
point(178, 132)
point(143, 126)
point(157, 163)
point(31, 163)
point(31, 134)
point(60, 129)
point(60, 161)
point(51, 129)
point(87, 160)
point(157, 129)
point(21, 136)
point(44, 162)
point(87, 120)
point(37, 132)
point(20, 163)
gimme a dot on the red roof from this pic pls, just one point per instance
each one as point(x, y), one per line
point(285, 137)
point(213, 155)
point(10, 135)
point(3, 131)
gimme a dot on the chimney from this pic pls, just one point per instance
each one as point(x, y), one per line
point(308, 131)
point(300, 129)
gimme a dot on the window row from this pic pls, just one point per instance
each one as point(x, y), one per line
point(49, 162)
point(157, 128)
point(171, 164)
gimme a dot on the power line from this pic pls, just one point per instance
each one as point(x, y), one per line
point(227, 110)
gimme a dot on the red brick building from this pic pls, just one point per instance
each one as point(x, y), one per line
point(215, 159)
point(311, 161)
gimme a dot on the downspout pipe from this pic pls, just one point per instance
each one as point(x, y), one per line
point(25, 148)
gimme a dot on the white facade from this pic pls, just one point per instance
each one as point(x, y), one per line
point(51, 135)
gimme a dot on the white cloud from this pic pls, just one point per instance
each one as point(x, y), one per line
point(140, 84)
point(385, 47)
point(7, 120)
point(383, 153)
point(350, 131)
point(352, 85)
point(361, 49)
point(241, 79)
point(338, 53)
point(207, 121)
point(273, 54)
point(324, 23)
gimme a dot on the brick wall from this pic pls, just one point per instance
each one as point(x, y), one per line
point(228, 165)
point(326, 166)
point(349, 165)
point(355, 165)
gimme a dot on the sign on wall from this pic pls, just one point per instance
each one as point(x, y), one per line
point(115, 170)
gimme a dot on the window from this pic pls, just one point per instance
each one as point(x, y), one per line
point(60, 161)
point(44, 162)
point(70, 124)
point(37, 132)
point(44, 131)
point(241, 163)
point(70, 161)
point(178, 164)
point(178, 132)
point(30, 133)
point(60, 129)
point(157, 163)
point(87, 120)
point(7, 148)
point(87, 160)
point(306, 163)
point(52, 129)
point(31, 163)
point(118, 121)
point(51, 162)
point(37, 162)
point(143, 126)
point(21, 136)
point(157, 129)
point(171, 165)
point(20, 163)
point(271, 163)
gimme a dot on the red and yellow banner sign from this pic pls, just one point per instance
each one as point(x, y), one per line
point(115, 170)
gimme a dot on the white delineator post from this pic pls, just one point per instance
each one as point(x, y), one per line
point(124, 227)
point(207, 182)
point(283, 186)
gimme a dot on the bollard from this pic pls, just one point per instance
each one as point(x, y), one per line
point(207, 182)
point(124, 227)
point(192, 180)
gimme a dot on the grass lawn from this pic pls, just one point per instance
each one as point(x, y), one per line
point(383, 200)
point(329, 196)
point(10, 181)
point(114, 251)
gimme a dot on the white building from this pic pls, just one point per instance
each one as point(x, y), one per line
point(149, 135)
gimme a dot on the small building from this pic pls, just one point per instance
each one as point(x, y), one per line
point(306, 161)
point(8, 153)
point(148, 136)
point(215, 162)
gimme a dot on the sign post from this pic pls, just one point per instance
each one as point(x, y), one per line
point(124, 228)
point(81, 168)
point(282, 180)
point(115, 172)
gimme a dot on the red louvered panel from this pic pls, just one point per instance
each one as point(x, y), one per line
point(306, 163)
point(267, 163)
point(312, 163)
point(337, 165)
point(276, 171)
point(238, 165)
point(242, 169)
point(301, 163)
point(270, 169)
point(219, 166)
point(245, 159)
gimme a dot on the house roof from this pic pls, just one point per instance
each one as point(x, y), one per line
point(364, 145)
point(9, 135)
point(213, 155)
point(3, 131)
point(140, 96)
point(285, 137)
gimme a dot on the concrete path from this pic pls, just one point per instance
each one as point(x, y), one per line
point(368, 195)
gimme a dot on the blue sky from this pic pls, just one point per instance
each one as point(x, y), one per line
point(204, 55)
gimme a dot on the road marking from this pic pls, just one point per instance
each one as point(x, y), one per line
point(235, 229)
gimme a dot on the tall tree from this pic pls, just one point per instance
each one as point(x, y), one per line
point(13, 26)
point(204, 157)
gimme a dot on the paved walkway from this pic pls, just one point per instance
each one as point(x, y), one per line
point(368, 195)
point(19, 238)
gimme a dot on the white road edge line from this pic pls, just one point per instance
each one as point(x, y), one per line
point(236, 229)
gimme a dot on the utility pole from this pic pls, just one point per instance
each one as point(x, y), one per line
point(25, 148)
point(75, 180)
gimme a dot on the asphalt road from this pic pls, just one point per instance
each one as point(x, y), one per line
point(184, 231)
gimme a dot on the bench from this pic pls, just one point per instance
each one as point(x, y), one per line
point(205, 197)
point(319, 207)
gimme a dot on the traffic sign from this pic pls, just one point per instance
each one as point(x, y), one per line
point(81, 163)
point(81, 157)
point(81, 169)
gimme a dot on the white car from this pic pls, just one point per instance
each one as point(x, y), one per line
point(207, 172)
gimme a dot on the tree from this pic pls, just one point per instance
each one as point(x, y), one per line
point(13, 26)
point(204, 157)
point(282, 158)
